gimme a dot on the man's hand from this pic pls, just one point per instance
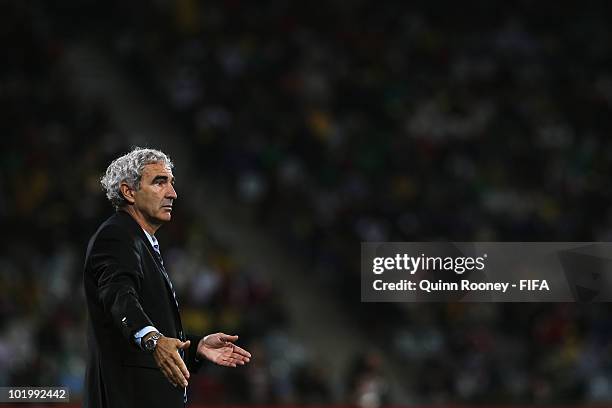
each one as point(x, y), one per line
point(219, 349)
point(170, 362)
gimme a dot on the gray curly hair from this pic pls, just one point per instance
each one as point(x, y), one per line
point(129, 168)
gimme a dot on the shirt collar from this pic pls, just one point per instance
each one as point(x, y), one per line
point(152, 239)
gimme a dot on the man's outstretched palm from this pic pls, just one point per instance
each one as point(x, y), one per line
point(220, 349)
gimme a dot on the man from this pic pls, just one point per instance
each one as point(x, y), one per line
point(139, 354)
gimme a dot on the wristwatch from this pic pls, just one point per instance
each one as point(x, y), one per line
point(150, 344)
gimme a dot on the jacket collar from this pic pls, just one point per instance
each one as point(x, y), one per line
point(125, 219)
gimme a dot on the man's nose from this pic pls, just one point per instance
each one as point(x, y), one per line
point(171, 192)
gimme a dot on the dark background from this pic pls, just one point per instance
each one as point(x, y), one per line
point(315, 126)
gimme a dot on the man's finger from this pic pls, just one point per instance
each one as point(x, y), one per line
point(241, 351)
point(236, 361)
point(174, 374)
point(228, 362)
point(226, 337)
point(177, 374)
point(163, 368)
point(179, 361)
point(239, 357)
point(181, 365)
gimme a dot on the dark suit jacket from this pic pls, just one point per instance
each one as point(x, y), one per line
point(126, 290)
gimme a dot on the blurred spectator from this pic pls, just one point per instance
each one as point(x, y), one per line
point(367, 383)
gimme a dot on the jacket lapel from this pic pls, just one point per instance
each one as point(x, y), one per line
point(137, 230)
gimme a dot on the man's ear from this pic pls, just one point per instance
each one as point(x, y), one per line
point(127, 192)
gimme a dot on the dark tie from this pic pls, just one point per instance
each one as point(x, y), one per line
point(161, 261)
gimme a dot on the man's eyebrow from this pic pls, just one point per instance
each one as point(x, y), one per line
point(160, 178)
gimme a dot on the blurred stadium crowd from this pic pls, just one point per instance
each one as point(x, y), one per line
point(333, 124)
point(55, 147)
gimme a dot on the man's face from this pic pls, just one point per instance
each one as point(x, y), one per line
point(156, 194)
